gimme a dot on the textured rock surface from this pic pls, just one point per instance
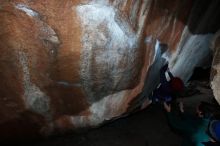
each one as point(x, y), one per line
point(76, 63)
point(215, 75)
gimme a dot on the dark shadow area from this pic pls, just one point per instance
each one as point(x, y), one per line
point(146, 128)
point(201, 16)
point(200, 73)
point(204, 17)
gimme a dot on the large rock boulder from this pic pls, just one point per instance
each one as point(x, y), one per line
point(74, 64)
point(215, 74)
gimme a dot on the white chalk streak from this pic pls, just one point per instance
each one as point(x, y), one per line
point(27, 10)
point(34, 98)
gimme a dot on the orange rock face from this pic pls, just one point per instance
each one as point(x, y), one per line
point(75, 63)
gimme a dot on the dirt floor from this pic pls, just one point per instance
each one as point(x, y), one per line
point(145, 128)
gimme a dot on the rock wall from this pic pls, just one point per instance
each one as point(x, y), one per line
point(74, 64)
point(215, 74)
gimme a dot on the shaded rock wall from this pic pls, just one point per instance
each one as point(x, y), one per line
point(193, 48)
point(73, 64)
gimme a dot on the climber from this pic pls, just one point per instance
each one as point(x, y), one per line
point(168, 89)
point(194, 128)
